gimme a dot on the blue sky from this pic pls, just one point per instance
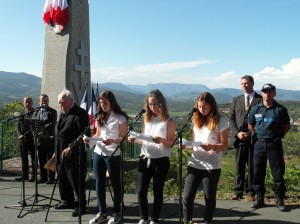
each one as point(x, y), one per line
point(205, 42)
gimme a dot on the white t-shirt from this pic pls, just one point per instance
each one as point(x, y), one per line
point(111, 129)
point(201, 159)
point(156, 128)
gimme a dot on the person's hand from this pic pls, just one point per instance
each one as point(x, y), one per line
point(243, 136)
point(130, 139)
point(157, 139)
point(85, 140)
point(207, 147)
point(182, 147)
point(65, 152)
point(109, 141)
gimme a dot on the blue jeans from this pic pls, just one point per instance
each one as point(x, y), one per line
point(101, 165)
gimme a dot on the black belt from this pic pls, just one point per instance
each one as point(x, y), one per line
point(274, 139)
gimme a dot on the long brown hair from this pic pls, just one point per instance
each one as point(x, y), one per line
point(115, 107)
point(212, 119)
point(164, 113)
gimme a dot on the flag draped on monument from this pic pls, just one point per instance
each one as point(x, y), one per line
point(56, 14)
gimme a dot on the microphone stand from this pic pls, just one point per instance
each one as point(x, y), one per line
point(73, 144)
point(23, 203)
point(130, 128)
point(179, 136)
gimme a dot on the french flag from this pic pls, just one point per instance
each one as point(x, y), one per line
point(84, 100)
point(92, 112)
point(56, 14)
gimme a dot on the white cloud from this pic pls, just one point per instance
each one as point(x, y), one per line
point(143, 74)
point(285, 77)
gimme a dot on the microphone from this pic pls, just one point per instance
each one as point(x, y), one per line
point(48, 125)
point(139, 114)
point(43, 106)
point(96, 114)
point(193, 111)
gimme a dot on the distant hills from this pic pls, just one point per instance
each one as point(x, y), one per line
point(183, 92)
point(14, 86)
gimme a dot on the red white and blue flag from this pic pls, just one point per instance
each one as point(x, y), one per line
point(56, 14)
point(92, 112)
point(84, 101)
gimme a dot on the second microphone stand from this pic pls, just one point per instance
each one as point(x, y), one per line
point(130, 128)
point(179, 137)
point(74, 144)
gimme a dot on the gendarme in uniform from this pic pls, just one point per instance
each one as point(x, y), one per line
point(270, 121)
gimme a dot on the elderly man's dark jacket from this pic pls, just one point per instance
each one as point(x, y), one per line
point(70, 126)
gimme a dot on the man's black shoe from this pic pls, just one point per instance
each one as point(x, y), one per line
point(64, 206)
point(50, 181)
point(32, 178)
point(20, 178)
point(76, 212)
point(41, 181)
point(280, 204)
point(258, 204)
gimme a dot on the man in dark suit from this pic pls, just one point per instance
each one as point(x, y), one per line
point(70, 153)
point(26, 140)
point(241, 138)
point(45, 142)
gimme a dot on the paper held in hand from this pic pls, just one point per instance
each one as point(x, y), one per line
point(191, 143)
point(50, 165)
point(136, 135)
point(92, 141)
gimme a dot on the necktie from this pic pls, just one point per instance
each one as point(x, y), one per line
point(42, 114)
point(247, 104)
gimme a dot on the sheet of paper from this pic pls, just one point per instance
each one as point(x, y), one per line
point(92, 141)
point(136, 135)
point(191, 143)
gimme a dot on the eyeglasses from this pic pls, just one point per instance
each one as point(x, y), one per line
point(154, 104)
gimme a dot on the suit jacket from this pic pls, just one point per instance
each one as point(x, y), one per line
point(48, 119)
point(69, 127)
point(23, 128)
point(238, 115)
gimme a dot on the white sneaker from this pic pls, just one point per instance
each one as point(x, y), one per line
point(99, 218)
point(115, 218)
point(152, 222)
point(142, 221)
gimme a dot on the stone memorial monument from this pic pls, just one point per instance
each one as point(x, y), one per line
point(67, 52)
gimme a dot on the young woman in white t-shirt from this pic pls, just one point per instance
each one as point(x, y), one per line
point(154, 159)
point(111, 127)
point(210, 139)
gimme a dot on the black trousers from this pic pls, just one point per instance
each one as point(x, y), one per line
point(45, 152)
point(71, 185)
point(273, 152)
point(209, 180)
point(25, 149)
point(243, 165)
point(158, 169)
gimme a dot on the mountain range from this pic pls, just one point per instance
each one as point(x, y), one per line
point(14, 86)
